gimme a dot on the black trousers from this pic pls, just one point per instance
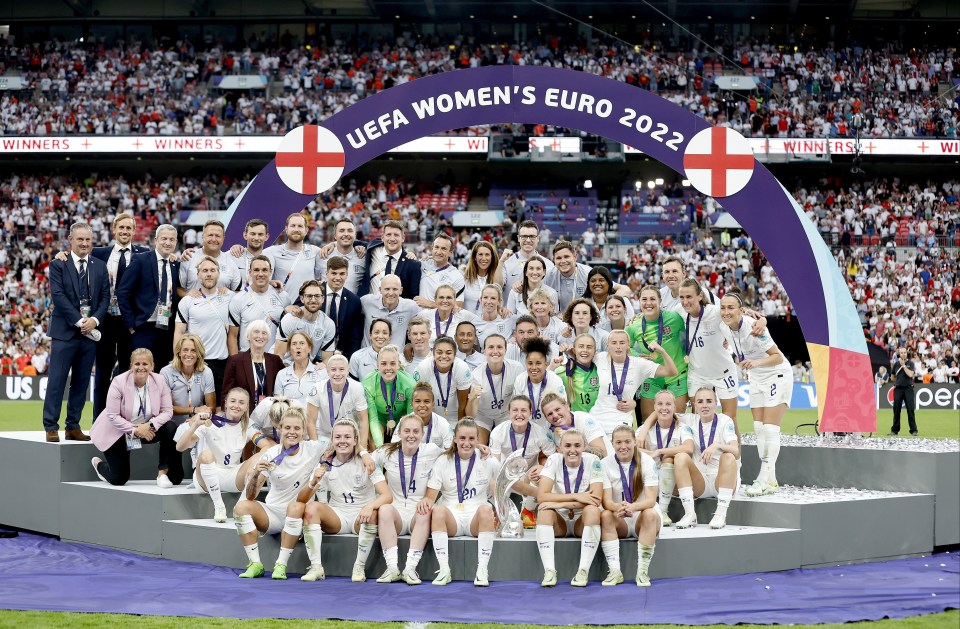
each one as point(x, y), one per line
point(113, 347)
point(116, 466)
point(904, 396)
point(218, 366)
point(158, 341)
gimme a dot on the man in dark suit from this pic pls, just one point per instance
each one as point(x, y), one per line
point(114, 344)
point(147, 297)
point(385, 257)
point(80, 290)
point(343, 307)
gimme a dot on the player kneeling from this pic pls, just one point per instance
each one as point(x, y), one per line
point(713, 470)
point(350, 498)
point(575, 510)
point(630, 505)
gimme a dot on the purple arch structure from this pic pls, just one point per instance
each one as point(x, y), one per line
point(528, 94)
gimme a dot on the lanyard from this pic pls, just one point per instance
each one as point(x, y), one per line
point(444, 399)
point(566, 478)
point(526, 438)
point(413, 470)
point(280, 457)
point(536, 400)
point(449, 321)
point(689, 343)
point(497, 402)
point(209, 302)
point(627, 486)
point(220, 421)
point(343, 394)
point(393, 396)
point(713, 433)
point(618, 386)
point(143, 403)
point(643, 332)
point(429, 430)
point(669, 435)
point(294, 265)
point(260, 375)
point(462, 482)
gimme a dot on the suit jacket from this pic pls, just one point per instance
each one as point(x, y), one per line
point(350, 315)
point(116, 419)
point(238, 372)
point(139, 290)
point(103, 253)
point(65, 291)
point(408, 270)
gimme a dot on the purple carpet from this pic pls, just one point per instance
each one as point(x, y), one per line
point(48, 575)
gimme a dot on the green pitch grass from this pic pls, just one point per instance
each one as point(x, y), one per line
point(947, 620)
point(933, 424)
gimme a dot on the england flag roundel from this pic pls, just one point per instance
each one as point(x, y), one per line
point(310, 159)
point(718, 162)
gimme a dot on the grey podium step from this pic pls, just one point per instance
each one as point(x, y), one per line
point(936, 473)
point(30, 496)
point(130, 517)
point(696, 551)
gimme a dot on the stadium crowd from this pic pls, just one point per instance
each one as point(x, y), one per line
point(36, 213)
point(172, 89)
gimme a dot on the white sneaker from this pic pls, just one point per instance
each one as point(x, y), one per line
point(315, 573)
point(411, 577)
point(549, 579)
point(756, 489)
point(719, 521)
point(580, 580)
point(163, 482)
point(614, 578)
point(220, 513)
point(443, 577)
point(666, 518)
point(391, 575)
point(481, 580)
point(687, 521)
point(770, 488)
point(359, 573)
point(96, 461)
point(643, 580)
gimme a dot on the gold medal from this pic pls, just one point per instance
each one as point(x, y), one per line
point(459, 506)
point(686, 359)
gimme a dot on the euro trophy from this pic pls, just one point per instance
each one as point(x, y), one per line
point(513, 469)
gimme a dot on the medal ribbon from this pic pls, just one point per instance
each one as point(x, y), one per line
point(413, 470)
point(713, 433)
point(627, 486)
point(462, 481)
point(566, 479)
point(618, 387)
point(643, 332)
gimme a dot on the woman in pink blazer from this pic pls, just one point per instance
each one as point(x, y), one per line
point(139, 409)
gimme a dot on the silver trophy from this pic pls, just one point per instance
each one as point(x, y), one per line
point(513, 469)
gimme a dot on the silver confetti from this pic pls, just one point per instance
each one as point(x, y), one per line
point(767, 587)
point(901, 444)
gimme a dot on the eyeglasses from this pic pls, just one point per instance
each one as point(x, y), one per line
point(529, 237)
point(312, 297)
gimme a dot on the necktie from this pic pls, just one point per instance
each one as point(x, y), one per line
point(84, 288)
point(333, 310)
point(389, 265)
point(122, 265)
point(163, 283)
